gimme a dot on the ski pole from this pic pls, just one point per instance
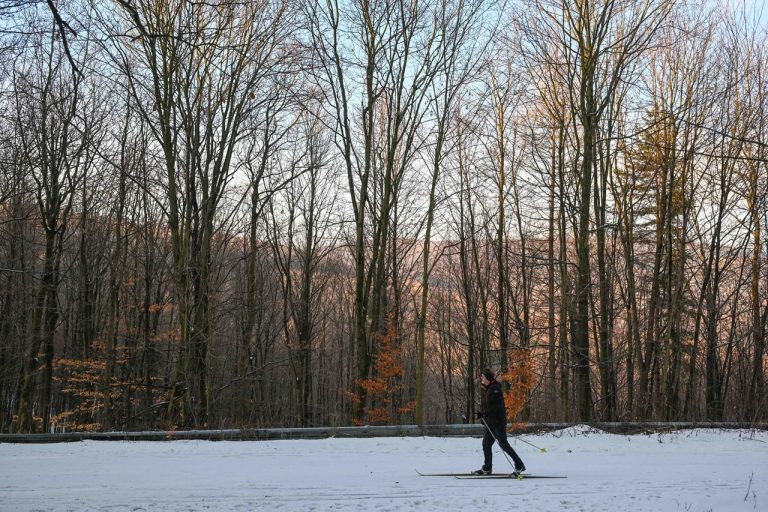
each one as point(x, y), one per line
point(543, 450)
point(497, 442)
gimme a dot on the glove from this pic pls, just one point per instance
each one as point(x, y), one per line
point(479, 415)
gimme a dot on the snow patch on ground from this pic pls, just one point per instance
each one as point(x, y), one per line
point(687, 471)
point(577, 430)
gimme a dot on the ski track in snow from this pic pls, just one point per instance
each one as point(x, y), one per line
point(687, 471)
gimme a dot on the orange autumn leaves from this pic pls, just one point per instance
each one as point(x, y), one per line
point(519, 376)
point(386, 384)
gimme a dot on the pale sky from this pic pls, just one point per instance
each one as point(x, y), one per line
point(756, 7)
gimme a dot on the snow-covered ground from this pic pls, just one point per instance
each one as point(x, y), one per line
point(696, 471)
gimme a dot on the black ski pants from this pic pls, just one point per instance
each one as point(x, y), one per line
point(492, 434)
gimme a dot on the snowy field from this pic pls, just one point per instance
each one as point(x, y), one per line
point(696, 471)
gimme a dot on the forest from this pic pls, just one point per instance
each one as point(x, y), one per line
point(273, 213)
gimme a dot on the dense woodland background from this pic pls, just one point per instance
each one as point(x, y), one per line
point(296, 213)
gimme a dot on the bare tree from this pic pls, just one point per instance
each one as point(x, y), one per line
point(48, 110)
point(600, 41)
point(195, 70)
point(303, 236)
point(390, 78)
point(464, 49)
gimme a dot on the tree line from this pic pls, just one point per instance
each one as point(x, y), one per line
point(281, 213)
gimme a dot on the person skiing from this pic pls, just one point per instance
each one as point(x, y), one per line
point(493, 415)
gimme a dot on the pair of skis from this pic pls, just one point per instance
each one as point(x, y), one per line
point(472, 476)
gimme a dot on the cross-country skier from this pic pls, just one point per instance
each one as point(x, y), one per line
point(493, 414)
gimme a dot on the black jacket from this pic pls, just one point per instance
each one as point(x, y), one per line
point(494, 411)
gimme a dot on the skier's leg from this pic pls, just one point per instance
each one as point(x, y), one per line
point(501, 435)
point(488, 441)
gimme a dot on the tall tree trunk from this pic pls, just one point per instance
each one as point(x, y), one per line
point(757, 382)
point(552, 390)
point(421, 321)
point(582, 288)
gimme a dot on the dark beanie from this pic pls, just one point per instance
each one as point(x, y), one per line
point(489, 374)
